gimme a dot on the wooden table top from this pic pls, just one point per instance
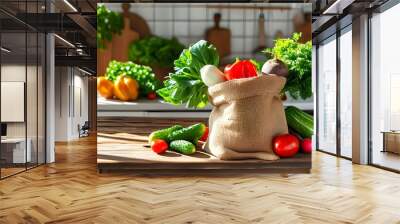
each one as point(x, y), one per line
point(122, 144)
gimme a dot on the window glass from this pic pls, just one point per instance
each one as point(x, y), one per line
point(327, 96)
point(346, 93)
point(385, 88)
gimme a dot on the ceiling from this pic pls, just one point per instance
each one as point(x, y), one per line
point(328, 15)
point(74, 21)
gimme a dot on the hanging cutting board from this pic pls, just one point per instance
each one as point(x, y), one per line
point(121, 42)
point(103, 58)
point(262, 40)
point(220, 37)
point(137, 23)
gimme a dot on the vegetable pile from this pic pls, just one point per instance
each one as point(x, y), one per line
point(301, 128)
point(144, 76)
point(196, 69)
point(155, 51)
point(178, 138)
point(108, 23)
point(297, 57)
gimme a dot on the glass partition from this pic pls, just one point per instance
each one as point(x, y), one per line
point(22, 77)
point(13, 94)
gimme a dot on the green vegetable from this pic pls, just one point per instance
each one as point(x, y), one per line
point(299, 121)
point(155, 51)
point(142, 74)
point(297, 57)
point(185, 86)
point(163, 134)
point(183, 146)
point(108, 23)
point(192, 133)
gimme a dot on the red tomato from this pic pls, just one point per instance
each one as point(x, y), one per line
point(306, 145)
point(205, 135)
point(151, 96)
point(159, 146)
point(286, 145)
point(240, 69)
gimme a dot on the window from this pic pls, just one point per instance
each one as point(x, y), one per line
point(346, 92)
point(385, 89)
point(327, 95)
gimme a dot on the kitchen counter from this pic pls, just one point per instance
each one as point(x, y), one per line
point(158, 108)
point(122, 145)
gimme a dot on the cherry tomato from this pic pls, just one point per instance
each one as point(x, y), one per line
point(286, 145)
point(240, 69)
point(306, 145)
point(205, 135)
point(151, 96)
point(159, 146)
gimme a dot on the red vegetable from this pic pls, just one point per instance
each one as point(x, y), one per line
point(205, 135)
point(159, 146)
point(286, 145)
point(240, 69)
point(151, 96)
point(306, 145)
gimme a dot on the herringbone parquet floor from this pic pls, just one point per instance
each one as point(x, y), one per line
point(71, 191)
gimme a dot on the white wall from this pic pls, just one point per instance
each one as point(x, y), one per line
point(71, 102)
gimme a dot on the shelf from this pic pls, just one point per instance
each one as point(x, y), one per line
point(158, 108)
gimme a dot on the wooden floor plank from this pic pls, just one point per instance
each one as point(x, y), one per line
point(72, 191)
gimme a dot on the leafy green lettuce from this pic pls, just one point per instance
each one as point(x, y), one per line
point(142, 74)
point(155, 51)
point(297, 56)
point(185, 86)
point(108, 23)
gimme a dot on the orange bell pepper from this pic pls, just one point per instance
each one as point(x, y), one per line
point(126, 88)
point(105, 87)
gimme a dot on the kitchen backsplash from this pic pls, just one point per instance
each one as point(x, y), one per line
point(189, 22)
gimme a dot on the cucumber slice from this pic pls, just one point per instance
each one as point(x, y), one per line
point(192, 133)
point(183, 146)
point(164, 133)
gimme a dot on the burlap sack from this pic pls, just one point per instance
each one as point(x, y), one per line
point(247, 115)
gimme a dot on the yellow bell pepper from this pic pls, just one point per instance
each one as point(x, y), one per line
point(105, 87)
point(126, 88)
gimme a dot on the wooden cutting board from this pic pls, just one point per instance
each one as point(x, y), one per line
point(220, 37)
point(137, 23)
point(103, 58)
point(121, 42)
point(262, 40)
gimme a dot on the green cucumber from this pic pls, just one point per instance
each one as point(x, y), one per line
point(164, 133)
point(192, 133)
point(182, 146)
point(299, 121)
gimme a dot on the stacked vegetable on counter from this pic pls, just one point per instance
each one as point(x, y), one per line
point(155, 51)
point(127, 81)
point(178, 138)
point(196, 70)
point(301, 127)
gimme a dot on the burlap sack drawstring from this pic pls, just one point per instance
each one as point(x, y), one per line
point(247, 114)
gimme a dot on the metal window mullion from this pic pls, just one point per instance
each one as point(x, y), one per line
point(0, 96)
point(25, 89)
point(338, 96)
point(369, 100)
point(316, 115)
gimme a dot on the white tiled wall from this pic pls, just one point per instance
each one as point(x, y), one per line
point(188, 22)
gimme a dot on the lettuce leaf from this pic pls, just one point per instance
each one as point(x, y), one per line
point(185, 86)
point(297, 56)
